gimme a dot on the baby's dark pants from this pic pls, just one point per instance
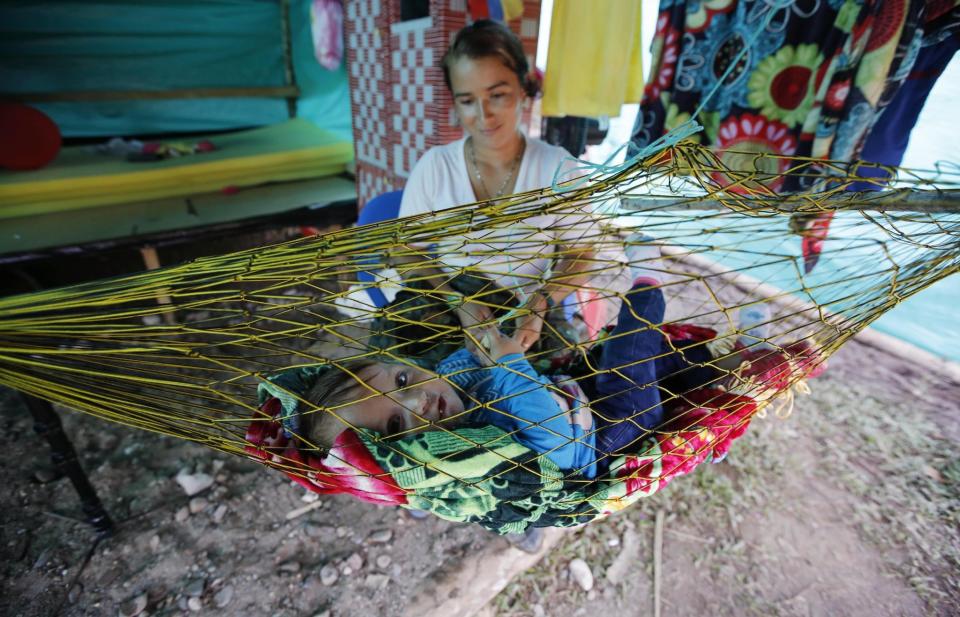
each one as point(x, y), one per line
point(636, 363)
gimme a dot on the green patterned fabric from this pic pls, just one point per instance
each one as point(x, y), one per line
point(479, 474)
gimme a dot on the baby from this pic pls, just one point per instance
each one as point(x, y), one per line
point(577, 425)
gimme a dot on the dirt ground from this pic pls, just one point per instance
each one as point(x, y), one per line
point(848, 507)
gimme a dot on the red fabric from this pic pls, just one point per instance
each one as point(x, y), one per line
point(30, 139)
point(813, 238)
point(706, 426)
point(682, 332)
point(776, 369)
point(478, 9)
point(347, 468)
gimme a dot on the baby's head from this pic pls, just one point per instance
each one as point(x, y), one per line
point(391, 398)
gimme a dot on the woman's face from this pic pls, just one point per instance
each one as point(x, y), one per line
point(488, 100)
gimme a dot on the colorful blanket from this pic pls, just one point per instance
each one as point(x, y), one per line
point(479, 474)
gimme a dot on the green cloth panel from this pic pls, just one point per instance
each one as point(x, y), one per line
point(79, 178)
point(73, 227)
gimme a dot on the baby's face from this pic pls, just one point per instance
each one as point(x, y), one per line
point(412, 399)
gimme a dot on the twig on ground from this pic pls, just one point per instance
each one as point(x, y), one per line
point(292, 514)
point(657, 558)
point(690, 536)
point(63, 517)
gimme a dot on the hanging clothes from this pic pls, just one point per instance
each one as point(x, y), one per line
point(890, 136)
point(497, 10)
point(326, 29)
point(594, 59)
point(814, 79)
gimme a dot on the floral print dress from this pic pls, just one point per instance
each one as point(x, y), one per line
point(813, 81)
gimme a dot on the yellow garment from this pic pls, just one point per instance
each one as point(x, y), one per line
point(512, 9)
point(593, 62)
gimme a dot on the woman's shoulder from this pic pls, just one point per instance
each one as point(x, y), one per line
point(438, 181)
point(543, 161)
point(546, 152)
point(446, 154)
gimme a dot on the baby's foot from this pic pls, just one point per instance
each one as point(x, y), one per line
point(644, 257)
point(753, 323)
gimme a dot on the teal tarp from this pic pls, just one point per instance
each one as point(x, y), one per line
point(163, 44)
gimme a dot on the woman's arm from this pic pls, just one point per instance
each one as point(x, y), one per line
point(414, 264)
point(569, 274)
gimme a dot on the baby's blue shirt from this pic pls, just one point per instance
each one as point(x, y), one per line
point(515, 398)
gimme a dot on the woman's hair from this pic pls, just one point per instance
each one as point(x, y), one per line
point(490, 39)
point(338, 385)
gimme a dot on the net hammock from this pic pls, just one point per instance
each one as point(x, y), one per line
point(227, 351)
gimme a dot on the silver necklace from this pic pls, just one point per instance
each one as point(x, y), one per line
point(506, 181)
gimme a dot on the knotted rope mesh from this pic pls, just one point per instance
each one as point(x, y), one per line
point(227, 351)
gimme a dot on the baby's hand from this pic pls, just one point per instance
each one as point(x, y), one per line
point(494, 344)
point(471, 314)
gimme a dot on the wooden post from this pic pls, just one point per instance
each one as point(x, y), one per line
point(152, 262)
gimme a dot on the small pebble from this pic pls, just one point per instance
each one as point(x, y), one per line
point(154, 543)
point(347, 570)
point(381, 536)
point(342, 532)
point(195, 605)
point(383, 562)
point(355, 561)
point(290, 567)
point(44, 476)
point(376, 581)
point(195, 588)
point(74, 593)
point(309, 497)
point(580, 572)
point(134, 606)
point(219, 513)
point(325, 613)
point(198, 504)
point(320, 531)
point(182, 514)
point(538, 611)
point(223, 597)
point(221, 478)
point(328, 575)
point(42, 559)
point(193, 483)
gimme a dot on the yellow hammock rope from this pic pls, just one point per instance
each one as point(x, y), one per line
point(724, 241)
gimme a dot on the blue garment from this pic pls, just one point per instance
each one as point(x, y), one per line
point(513, 397)
point(636, 364)
point(888, 139)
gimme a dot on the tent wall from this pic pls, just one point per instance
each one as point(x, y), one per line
point(138, 45)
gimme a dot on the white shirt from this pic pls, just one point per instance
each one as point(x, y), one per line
point(518, 255)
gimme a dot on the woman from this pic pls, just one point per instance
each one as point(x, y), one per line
point(487, 75)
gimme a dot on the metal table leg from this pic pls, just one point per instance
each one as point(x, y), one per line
point(47, 424)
